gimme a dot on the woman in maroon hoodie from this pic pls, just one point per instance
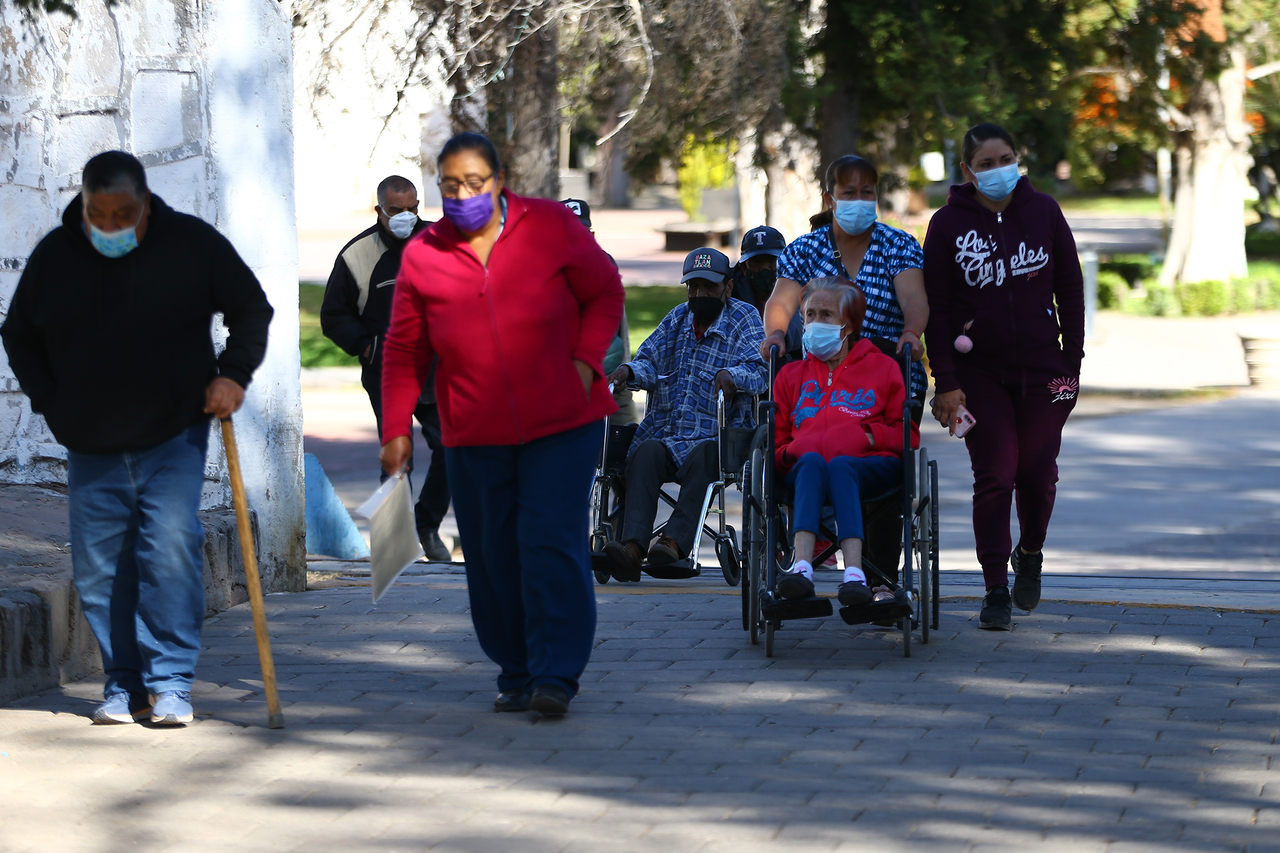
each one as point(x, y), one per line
point(1005, 340)
point(838, 431)
point(520, 304)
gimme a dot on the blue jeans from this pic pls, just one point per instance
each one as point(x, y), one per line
point(846, 481)
point(522, 513)
point(136, 549)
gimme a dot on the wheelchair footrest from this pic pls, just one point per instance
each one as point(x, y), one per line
point(868, 613)
point(678, 571)
point(785, 610)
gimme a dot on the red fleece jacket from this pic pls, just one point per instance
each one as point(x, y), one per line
point(829, 412)
point(506, 334)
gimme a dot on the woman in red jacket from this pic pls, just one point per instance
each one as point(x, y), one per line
point(838, 432)
point(1006, 336)
point(520, 304)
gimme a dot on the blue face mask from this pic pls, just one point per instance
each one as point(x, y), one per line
point(996, 184)
point(114, 244)
point(854, 217)
point(822, 340)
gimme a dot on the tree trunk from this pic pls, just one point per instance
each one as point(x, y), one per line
point(1207, 242)
point(533, 111)
point(838, 118)
point(611, 169)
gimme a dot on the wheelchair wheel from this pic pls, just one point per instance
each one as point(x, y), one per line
point(906, 636)
point(601, 577)
point(933, 540)
point(754, 579)
point(727, 552)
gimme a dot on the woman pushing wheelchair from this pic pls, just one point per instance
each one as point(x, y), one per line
point(839, 434)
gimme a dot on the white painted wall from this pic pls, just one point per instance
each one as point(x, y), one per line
point(202, 94)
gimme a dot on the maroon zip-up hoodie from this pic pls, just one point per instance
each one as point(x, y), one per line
point(996, 277)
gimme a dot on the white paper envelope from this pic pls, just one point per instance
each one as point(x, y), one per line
point(392, 533)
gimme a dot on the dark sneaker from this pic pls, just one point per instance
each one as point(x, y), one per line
point(1026, 578)
point(549, 700)
point(122, 708)
point(512, 700)
point(435, 549)
point(794, 585)
point(997, 610)
point(625, 558)
point(172, 708)
point(664, 551)
point(854, 594)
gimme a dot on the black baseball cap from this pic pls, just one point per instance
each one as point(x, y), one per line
point(580, 209)
point(762, 240)
point(705, 263)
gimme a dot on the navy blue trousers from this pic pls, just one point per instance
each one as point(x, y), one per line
point(522, 512)
point(846, 482)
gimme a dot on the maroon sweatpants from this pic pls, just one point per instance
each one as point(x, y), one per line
point(1013, 446)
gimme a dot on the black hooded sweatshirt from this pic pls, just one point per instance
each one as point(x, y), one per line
point(1011, 281)
point(116, 353)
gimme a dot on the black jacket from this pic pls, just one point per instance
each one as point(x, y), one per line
point(117, 353)
point(356, 310)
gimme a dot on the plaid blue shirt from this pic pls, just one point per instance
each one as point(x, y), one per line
point(679, 372)
point(891, 251)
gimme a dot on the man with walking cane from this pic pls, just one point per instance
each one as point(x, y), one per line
point(109, 335)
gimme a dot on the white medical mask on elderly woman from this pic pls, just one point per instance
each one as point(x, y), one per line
point(822, 340)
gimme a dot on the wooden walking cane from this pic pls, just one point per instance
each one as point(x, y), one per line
point(275, 717)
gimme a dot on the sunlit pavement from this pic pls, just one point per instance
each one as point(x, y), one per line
point(1086, 728)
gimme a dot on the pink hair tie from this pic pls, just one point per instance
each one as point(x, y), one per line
point(964, 343)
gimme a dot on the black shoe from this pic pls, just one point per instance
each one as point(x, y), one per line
point(435, 549)
point(793, 586)
point(625, 558)
point(512, 700)
point(549, 700)
point(997, 610)
point(854, 594)
point(1026, 578)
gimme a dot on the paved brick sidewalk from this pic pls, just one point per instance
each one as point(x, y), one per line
point(1087, 728)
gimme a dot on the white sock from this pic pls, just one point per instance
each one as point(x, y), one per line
point(854, 574)
point(803, 567)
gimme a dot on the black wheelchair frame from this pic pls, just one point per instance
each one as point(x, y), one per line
point(609, 489)
point(765, 530)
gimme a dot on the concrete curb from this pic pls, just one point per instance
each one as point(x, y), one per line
point(45, 641)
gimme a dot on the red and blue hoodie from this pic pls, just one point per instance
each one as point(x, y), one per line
point(831, 411)
point(1010, 281)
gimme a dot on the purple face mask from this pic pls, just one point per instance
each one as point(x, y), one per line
point(469, 214)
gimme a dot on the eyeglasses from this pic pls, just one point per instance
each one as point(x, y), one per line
point(449, 188)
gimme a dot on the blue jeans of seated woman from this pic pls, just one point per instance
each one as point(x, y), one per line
point(846, 482)
point(137, 553)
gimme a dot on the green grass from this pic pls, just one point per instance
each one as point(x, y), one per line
point(646, 306)
point(317, 350)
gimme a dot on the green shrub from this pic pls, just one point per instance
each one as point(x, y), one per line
point(1113, 290)
point(1161, 301)
point(1133, 268)
point(1258, 242)
point(705, 164)
point(1245, 293)
point(1203, 298)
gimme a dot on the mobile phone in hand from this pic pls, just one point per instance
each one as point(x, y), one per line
point(964, 422)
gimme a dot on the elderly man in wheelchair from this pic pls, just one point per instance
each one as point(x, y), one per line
point(838, 435)
point(704, 347)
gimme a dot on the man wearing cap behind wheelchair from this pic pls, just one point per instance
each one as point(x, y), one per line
point(704, 346)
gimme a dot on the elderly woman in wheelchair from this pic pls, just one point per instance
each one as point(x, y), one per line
point(838, 435)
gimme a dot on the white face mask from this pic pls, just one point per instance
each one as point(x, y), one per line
point(403, 223)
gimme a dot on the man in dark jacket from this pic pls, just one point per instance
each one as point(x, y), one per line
point(109, 335)
point(355, 315)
